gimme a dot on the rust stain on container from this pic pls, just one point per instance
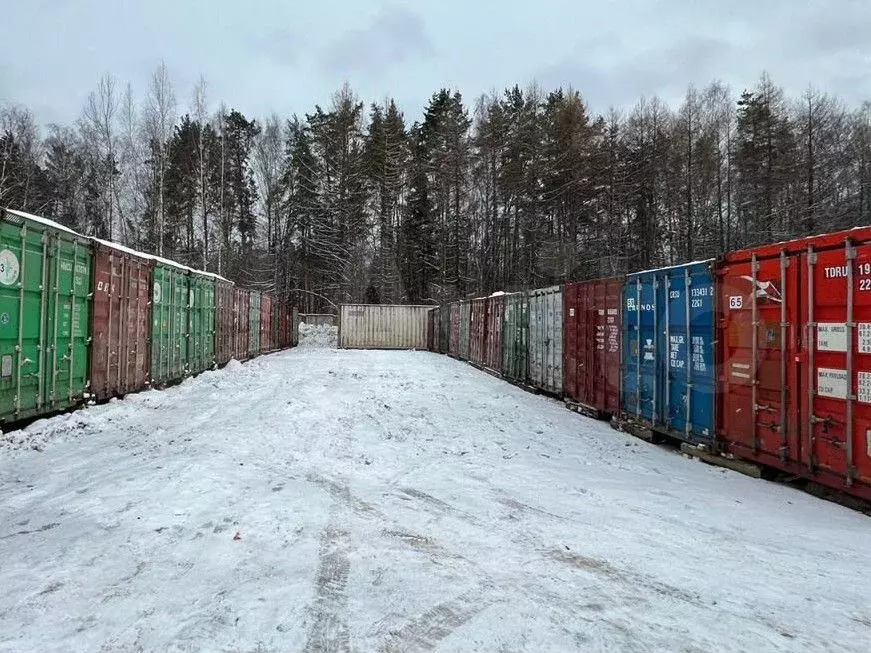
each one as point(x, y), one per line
point(121, 321)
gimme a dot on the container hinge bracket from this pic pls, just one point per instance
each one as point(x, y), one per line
point(850, 253)
point(812, 258)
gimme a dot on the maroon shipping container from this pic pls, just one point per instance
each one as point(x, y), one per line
point(477, 331)
point(121, 312)
point(794, 393)
point(241, 322)
point(224, 321)
point(285, 327)
point(454, 341)
point(266, 342)
point(493, 336)
point(592, 345)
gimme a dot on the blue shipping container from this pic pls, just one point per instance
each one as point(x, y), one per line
point(668, 369)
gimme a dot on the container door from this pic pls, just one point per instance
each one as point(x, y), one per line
point(572, 366)
point(836, 406)
point(555, 341)
point(688, 318)
point(23, 260)
point(68, 323)
point(613, 301)
point(757, 373)
point(639, 348)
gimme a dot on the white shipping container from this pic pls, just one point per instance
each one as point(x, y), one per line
point(546, 339)
point(383, 326)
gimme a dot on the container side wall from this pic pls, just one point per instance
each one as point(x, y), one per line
point(378, 326)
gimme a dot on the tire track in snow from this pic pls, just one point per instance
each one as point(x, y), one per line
point(329, 632)
point(424, 632)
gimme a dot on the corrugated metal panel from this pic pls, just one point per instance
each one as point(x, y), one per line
point(169, 323)
point(795, 392)
point(464, 323)
point(241, 322)
point(515, 336)
point(383, 326)
point(434, 328)
point(121, 325)
point(591, 344)
point(45, 292)
point(254, 324)
point(266, 332)
point(668, 350)
point(201, 322)
point(454, 340)
point(444, 328)
point(493, 337)
point(477, 331)
point(224, 326)
point(546, 339)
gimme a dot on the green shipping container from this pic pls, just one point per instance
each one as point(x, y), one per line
point(201, 322)
point(169, 322)
point(45, 285)
point(254, 323)
point(515, 333)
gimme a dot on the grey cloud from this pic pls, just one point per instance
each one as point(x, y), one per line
point(395, 35)
point(665, 73)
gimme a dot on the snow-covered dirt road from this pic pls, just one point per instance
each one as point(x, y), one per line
point(323, 500)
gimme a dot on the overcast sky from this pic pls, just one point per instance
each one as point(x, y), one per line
point(286, 55)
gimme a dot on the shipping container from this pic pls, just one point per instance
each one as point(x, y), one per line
point(295, 326)
point(545, 364)
point(464, 326)
point(318, 319)
point(669, 351)
point(434, 330)
point(241, 322)
point(121, 320)
point(266, 336)
point(454, 339)
point(591, 345)
point(45, 316)
point(201, 322)
point(383, 326)
point(444, 328)
point(493, 335)
point(477, 331)
point(795, 391)
point(286, 312)
point(276, 322)
point(254, 324)
point(224, 322)
point(515, 335)
point(169, 322)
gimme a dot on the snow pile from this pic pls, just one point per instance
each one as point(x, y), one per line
point(45, 431)
point(318, 335)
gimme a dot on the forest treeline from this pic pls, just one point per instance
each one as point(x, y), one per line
point(509, 191)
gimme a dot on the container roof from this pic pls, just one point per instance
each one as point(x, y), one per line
point(44, 221)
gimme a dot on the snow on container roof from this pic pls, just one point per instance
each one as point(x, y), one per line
point(44, 221)
point(672, 267)
point(158, 259)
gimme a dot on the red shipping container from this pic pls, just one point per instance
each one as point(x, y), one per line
point(795, 391)
point(241, 323)
point(121, 321)
point(592, 345)
point(493, 338)
point(477, 331)
point(266, 336)
point(454, 343)
point(224, 321)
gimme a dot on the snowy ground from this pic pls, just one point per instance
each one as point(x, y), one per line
point(324, 500)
